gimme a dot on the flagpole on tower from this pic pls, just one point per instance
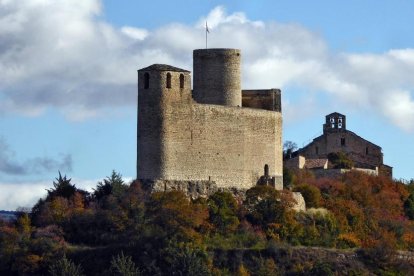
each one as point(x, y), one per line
point(207, 31)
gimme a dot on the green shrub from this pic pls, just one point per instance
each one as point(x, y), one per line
point(65, 267)
point(124, 266)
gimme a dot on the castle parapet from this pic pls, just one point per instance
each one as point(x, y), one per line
point(268, 99)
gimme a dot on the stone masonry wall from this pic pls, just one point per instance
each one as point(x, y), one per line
point(227, 145)
point(151, 130)
point(268, 99)
point(217, 76)
point(355, 146)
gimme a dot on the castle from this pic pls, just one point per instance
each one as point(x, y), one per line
point(215, 132)
point(365, 155)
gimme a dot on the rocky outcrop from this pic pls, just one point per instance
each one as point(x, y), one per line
point(193, 189)
point(205, 188)
point(300, 202)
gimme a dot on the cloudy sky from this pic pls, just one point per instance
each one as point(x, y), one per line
point(68, 76)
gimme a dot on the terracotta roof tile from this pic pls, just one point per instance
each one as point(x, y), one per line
point(315, 163)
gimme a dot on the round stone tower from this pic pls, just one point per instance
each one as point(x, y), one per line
point(216, 76)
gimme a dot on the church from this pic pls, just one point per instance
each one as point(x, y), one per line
point(336, 138)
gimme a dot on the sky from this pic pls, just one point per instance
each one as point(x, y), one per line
point(68, 76)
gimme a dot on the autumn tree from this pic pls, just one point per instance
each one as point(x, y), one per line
point(223, 211)
point(61, 201)
point(174, 215)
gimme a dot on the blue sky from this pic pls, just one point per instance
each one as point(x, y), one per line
point(68, 76)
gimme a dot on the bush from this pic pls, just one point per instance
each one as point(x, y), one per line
point(65, 267)
point(185, 259)
point(124, 266)
point(311, 194)
point(340, 160)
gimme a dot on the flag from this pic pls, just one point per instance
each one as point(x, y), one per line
point(207, 30)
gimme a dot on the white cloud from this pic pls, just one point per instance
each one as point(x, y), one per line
point(135, 33)
point(26, 194)
point(399, 107)
point(14, 195)
point(61, 54)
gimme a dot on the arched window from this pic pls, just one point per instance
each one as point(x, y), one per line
point(146, 80)
point(168, 80)
point(181, 80)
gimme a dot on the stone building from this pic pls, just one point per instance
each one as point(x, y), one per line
point(365, 155)
point(211, 133)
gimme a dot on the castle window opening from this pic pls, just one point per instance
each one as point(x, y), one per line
point(342, 141)
point(317, 150)
point(146, 80)
point(168, 80)
point(181, 80)
point(366, 150)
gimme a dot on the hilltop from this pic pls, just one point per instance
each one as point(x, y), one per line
point(355, 224)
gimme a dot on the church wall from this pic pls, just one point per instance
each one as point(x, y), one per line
point(355, 146)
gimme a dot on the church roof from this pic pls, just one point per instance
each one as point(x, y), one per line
point(163, 67)
point(316, 163)
point(335, 114)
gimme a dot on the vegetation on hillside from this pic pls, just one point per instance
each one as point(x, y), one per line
point(120, 229)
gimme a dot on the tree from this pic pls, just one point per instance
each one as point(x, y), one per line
point(65, 267)
point(311, 194)
point(340, 160)
point(223, 209)
point(185, 259)
point(112, 185)
point(273, 211)
point(62, 187)
point(288, 178)
point(175, 216)
point(288, 148)
point(409, 207)
point(124, 266)
point(264, 267)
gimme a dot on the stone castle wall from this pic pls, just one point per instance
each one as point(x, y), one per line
point(227, 145)
point(268, 99)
